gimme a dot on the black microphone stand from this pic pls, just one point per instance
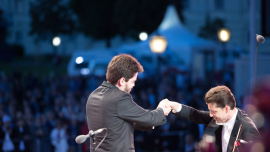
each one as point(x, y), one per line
point(93, 138)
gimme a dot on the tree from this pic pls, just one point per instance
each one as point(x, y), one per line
point(95, 18)
point(3, 28)
point(104, 19)
point(51, 18)
point(210, 29)
point(6, 53)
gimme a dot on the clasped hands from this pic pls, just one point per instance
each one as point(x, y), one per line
point(167, 106)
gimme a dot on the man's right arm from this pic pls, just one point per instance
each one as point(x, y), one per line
point(128, 110)
point(189, 113)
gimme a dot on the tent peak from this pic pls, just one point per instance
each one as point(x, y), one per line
point(170, 19)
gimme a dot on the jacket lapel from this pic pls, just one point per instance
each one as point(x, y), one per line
point(234, 132)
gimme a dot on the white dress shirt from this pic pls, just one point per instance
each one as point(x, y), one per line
point(226, 129)
point(179, 108)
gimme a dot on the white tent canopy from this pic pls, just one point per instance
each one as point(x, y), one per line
point(180, 40)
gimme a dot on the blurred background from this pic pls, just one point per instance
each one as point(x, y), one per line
point(54, 53)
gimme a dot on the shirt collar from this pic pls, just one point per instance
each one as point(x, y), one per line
point(231, 121)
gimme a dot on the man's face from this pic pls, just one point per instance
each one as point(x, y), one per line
point(219, 114)
point(131, 83)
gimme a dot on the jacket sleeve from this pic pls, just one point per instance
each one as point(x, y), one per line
point(128, 110)
point(143, 128)
point(250, 131)
point(194, 115)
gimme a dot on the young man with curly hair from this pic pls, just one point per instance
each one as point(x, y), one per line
point(111, 106)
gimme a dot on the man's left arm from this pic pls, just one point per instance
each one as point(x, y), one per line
point(250, 131)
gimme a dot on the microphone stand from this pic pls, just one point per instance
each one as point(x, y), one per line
point(94, 138)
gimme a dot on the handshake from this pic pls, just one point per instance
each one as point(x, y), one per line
point(167, 106)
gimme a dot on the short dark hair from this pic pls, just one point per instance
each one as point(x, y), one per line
point(123, 65)
point(222, 96)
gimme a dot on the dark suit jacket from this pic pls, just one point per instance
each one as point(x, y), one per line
point(108, 107)
point(249, 131)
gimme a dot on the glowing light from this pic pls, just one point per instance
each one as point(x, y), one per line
point(224, 35)
point(84, 71)
point(158, 44)
point(250, 109)
point(259, 119)
point(79, 60)
point(143, 36)
point(209, 139)
point(258, 147)
point(56, 41)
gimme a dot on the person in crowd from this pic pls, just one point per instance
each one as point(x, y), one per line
point(22, 135)
point(59, 137)
point(7, 135)
point(39, 132)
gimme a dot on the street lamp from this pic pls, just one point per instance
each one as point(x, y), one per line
point(56, 42)
point(158, 45)
point(224, 35)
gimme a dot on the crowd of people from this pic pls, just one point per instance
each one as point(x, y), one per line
point(46, 113)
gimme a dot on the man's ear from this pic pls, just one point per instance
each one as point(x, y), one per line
point(227, 108)
point(121, 81)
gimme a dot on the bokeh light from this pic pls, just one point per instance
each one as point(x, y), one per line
point(79, 60)
point(143, 36)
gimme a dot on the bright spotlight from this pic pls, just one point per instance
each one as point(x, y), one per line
point(79, 60)
point(84, 71)
point(56, 41)
point(143, 36)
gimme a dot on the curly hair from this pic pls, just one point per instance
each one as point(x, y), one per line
point(123, 65)
point(222, 96)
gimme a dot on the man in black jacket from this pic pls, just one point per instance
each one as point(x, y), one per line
point(222, 120)
point(111, 106)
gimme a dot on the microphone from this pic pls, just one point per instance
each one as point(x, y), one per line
point(97, 131)
point(244, 142)
point(260, 38)
point(80, 139)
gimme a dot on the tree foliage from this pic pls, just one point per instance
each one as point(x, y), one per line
point(3, 28)
point(104, 19)
point(51, 18)
point(95, 17)
point(210, 29)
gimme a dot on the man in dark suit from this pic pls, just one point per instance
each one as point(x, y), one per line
point(111, 106)
point(222, 120)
